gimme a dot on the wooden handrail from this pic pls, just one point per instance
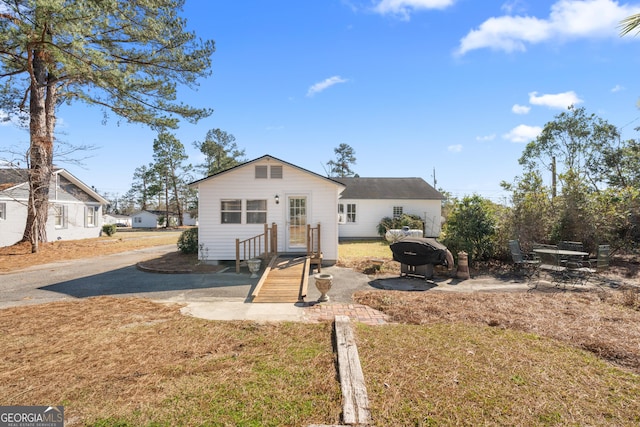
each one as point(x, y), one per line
point(314, 248)
point(313, 240)
point(262, 245)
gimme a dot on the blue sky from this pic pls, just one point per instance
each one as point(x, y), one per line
point(459, 86)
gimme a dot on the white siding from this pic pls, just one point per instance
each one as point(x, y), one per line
point(369, 213)
point(240, 183)
point(12, 228)
point(76, 227)
point(146, 220)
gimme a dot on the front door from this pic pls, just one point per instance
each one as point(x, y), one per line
point(297, 223)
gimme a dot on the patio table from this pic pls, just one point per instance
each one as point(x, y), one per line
point(561, 252)
point(567, 265)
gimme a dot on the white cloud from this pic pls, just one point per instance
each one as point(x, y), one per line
point(558, 100)
point(617, 88)
point(486, 138)
point(523, 133)
point(403, 8)
point(513, 6)
point(455, 148)
point(520, 109)
point(568, 19)
point(325, 84)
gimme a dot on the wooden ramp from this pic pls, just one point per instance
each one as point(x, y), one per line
point(284, 280)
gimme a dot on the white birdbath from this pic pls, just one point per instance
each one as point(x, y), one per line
point(323, 283)
point(254, 266)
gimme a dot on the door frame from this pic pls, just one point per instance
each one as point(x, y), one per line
point(288, 235)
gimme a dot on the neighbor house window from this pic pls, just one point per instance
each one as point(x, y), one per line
point(231, 211)
point(256, 211)
point(397, 211)
point(351, 211)
point(3, 210)
point(261, 172)
point(60, 216)
point(276, 172)
point(91, 218)
point(137, 219)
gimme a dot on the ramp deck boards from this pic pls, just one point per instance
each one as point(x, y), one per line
point(283, 281)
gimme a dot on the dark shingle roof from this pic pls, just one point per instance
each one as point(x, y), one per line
point(12, 177)
point(388, 188)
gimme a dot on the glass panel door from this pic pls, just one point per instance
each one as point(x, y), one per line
point(297, 222)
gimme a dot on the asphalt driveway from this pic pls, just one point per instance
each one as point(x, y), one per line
point(222, 295)
point(116, 275)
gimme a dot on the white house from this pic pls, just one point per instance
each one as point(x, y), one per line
point(75, 210)
point(119, 220)
point(187, 219)
point(365, 201)
point(238, 202)
point(146, 219)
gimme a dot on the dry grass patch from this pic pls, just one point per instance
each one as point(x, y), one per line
point(362, 256)
point(603, 322)
point(133, 362)
point(462, 374)
point(19, 256)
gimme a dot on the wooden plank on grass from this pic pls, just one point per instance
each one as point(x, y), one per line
point(355, 402)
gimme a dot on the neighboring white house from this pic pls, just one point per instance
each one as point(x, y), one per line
point(119, 220)
point(187, 219)
point(238, 202)
point(75, 210)
point(365, 201)
point(146, 219)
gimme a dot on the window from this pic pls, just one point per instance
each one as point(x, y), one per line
point(276, 172)
point(261, 172)
point(91, 216)
point(256, 211)
point(60, 216)
point(137, 219)
point(397, 211)
point(231, 211)
point(3, 210)
point(350, 214)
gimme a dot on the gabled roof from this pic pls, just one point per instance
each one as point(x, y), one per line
point(10, 178)
point(265, 157)
point(388, 188)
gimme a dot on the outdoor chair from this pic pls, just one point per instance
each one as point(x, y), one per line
point(525, 263)
point(601, 262)
point(552, 264)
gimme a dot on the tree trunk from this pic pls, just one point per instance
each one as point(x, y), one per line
point(42, 101)
point(174, 183)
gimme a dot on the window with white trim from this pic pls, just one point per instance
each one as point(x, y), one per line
point(231, 211)
point(397, 211)
point(256, 211)
point(350, 214)
point(3, 210)
point(91, 216)
point(60, 216)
